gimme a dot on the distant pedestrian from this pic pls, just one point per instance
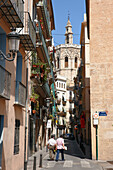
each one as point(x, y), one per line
point(52, 147)
point(60, 147)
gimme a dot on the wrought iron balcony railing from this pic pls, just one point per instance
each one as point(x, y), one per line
point(28, 33)
point(41, 43)
point(13, 12)
point(44, 13)
point(58, 101)
point(71, 100)
point(20, 94)
point(5, 83)
point(64, 102)
point(70, 110)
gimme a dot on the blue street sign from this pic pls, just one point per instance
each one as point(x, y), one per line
point(102, 114)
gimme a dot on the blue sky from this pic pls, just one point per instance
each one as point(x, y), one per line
point(76, 10)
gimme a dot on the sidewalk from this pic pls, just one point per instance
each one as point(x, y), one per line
point(106, 165)
point(37, 155)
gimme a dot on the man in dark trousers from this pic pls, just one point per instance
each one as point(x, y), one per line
point(60, 147)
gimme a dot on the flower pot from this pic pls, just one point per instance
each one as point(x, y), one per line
point(34, 111)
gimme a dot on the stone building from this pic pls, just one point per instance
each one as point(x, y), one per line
point(100, 34)
point(67, 61)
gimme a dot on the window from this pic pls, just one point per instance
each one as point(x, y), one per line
point(67, 39)
point(75, 62)
point(57, 62)
point(64, 86)
point(70, 93)
point(66, 62)
point(57, 84)
point(16, 139)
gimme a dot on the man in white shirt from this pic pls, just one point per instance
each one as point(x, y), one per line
point(52, 146)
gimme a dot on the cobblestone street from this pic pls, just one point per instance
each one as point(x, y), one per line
point(74, 160)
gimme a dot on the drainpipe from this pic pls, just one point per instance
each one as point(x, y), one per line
point(25, 150)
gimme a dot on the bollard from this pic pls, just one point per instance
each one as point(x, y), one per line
point(40, 164)
point(25, 165)
point(46, 148)
point(34, 165)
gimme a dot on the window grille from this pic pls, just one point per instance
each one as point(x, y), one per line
point(16, 139)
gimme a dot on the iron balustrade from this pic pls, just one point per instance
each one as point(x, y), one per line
point(46, 89)
point(5, 83)
point(20, 94)
point(28, 33)
point(19, 7)
point(43, 4)
point(13, 11)
point(39, 30)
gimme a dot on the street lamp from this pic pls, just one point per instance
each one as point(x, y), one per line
point(13, 43)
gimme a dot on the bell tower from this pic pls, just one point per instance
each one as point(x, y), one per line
point(68, 33)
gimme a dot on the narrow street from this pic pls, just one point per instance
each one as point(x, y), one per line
point(74, 160)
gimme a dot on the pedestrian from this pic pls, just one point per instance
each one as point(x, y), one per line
point(52, 147)
point(60, 147)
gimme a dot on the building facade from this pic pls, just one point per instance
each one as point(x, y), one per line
point(22, 116)
point(100, 34)
point(61, 105)
point(82, 92)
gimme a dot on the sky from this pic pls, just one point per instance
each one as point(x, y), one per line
point(61, 9)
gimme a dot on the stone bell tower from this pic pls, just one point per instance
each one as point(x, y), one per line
point(68, 33)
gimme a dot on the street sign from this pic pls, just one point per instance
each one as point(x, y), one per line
point(96, 115)
point(95, 118)
point(102, 114)
point(95, 121)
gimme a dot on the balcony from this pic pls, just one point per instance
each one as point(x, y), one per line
point(61, 125)
point(64, 102)
point(70, 100)
point(58, 101)
point(20, 94)
point(41, 46)
point(42, 89)
point(28, 34)
point(70, 110)
point(44, 17)
point(62, 114)
point(5, 83)
point(12, 12)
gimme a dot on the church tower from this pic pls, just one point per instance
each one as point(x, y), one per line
point(67, 59)
point(68, 33)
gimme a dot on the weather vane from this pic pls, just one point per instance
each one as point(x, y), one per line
point(68, 15)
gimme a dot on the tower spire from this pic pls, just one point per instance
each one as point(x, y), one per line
point(68, 33)
point(68, 15)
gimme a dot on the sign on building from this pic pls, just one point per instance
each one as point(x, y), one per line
point(95, 118)
point(49, 123)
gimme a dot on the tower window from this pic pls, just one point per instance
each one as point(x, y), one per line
point(75, 62)
point(57, 62)
point(66, 62)
point(67, 39)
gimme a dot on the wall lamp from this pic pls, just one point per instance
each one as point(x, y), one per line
point(13, 43)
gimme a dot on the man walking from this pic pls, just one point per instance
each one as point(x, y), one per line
point(52, 146)
point(60, 147)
